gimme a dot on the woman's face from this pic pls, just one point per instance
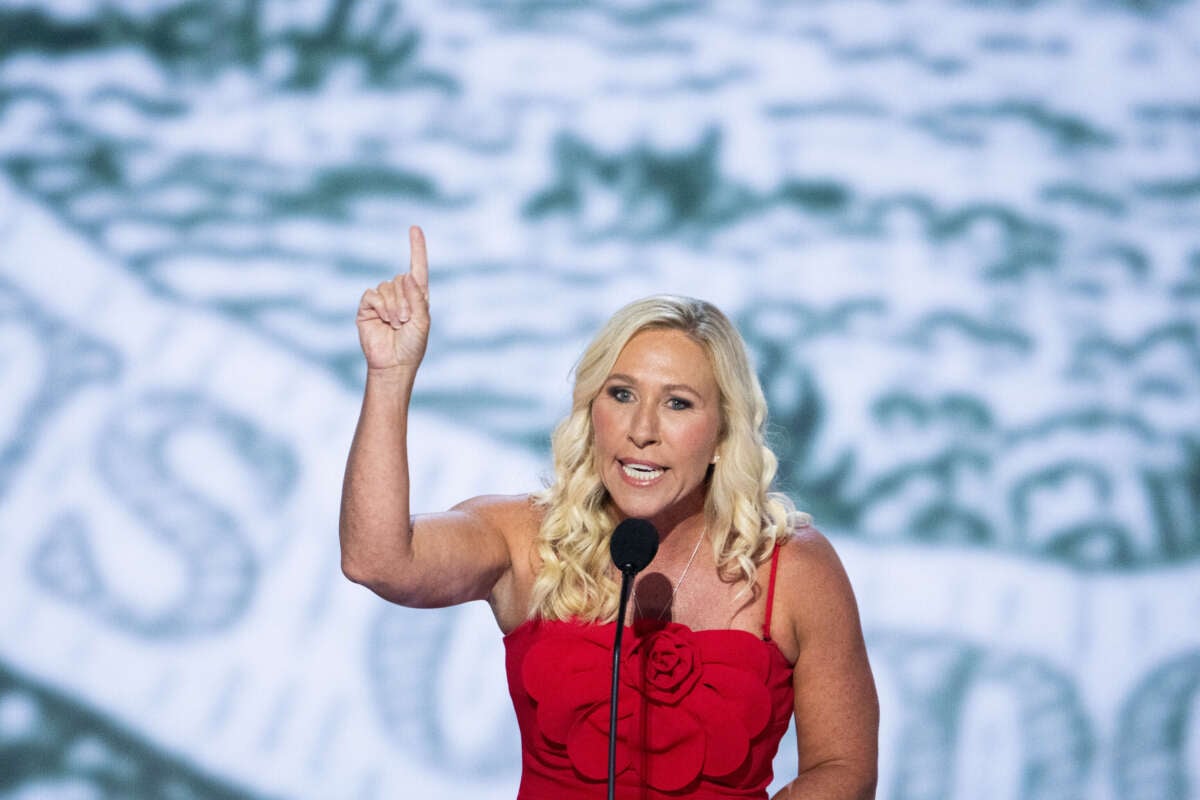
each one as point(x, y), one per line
point(656, 423)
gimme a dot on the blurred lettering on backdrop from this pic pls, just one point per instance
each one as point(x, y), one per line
point(962, 240)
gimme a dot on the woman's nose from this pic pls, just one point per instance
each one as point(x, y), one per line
point(643, 428)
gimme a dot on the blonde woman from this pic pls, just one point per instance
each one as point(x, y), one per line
point(744, 621)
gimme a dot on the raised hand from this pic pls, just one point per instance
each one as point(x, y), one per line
point(393, 318)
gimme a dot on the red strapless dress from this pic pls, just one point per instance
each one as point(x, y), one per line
point(700, 713)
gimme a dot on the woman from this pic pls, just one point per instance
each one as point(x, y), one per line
point(744, 619)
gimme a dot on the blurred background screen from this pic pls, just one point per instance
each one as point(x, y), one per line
point(962, 240)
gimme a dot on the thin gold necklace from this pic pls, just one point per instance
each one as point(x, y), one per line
point(674, 588)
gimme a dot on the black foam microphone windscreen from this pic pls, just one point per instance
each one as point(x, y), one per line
point(633, 545)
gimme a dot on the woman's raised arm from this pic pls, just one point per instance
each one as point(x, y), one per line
point(437, 560)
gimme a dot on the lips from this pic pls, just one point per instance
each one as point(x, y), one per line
point(642, 472)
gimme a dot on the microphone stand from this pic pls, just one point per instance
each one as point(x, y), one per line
point(626, 586)
point(633, 545)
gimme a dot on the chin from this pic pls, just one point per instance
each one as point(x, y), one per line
point(652, 508)
point(635, 509)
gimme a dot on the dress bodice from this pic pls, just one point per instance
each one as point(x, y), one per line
point(700, 713)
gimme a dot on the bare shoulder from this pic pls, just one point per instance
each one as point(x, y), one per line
point(809, 556)
point(813, 589)
point(501, 506)
point(517, 517)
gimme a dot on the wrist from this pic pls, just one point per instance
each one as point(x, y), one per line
point(398, 378)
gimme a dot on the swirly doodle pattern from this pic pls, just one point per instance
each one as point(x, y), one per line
point(985, 475)
point(133, 457)
point(47, 362)
point(960, 238)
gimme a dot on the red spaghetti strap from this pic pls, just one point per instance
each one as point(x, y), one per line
point(771, 593)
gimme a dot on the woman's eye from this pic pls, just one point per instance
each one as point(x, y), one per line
point(620, 394)
point(678, 404)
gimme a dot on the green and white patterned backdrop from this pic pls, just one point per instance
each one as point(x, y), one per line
point(961, 238)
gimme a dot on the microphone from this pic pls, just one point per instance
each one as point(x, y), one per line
point(633, 546)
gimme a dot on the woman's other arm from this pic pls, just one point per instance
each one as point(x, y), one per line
point(837, 709)
point(433, 560)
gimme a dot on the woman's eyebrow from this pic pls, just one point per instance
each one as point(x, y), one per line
point(670, 387)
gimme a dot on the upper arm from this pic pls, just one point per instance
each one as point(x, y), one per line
point(836, 706)
point(457, 555)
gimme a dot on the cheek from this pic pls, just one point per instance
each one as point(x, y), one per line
point(603, 427)
point(606, 441)
point(700, 439)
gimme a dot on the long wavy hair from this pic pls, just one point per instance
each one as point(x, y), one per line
point(743, 516)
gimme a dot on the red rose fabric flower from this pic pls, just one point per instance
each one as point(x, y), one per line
point(690, 706)
point(663, 665)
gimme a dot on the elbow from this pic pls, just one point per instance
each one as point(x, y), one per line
point(352, 571)
point(359, 571)
point(373, 556)
point(361, 564)
point(862, 780)
point(363, 567)
point(383, 582)
point(866, 780)
point(843, 778)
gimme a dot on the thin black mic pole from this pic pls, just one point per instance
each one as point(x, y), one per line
point(633, 545)
point(626, 585)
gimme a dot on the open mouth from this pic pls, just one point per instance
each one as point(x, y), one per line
point(642, 473)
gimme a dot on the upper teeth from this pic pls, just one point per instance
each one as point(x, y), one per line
point(641, 471)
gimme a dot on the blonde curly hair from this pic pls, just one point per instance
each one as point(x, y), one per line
point(744, 518)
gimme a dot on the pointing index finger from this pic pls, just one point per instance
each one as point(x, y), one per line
point(419, 261)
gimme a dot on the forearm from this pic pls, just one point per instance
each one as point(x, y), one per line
point(374, 528)
point(833, 781)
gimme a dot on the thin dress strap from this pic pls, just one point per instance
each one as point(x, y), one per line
point(771, 593)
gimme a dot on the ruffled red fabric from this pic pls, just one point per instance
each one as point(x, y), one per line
point(693, 707)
